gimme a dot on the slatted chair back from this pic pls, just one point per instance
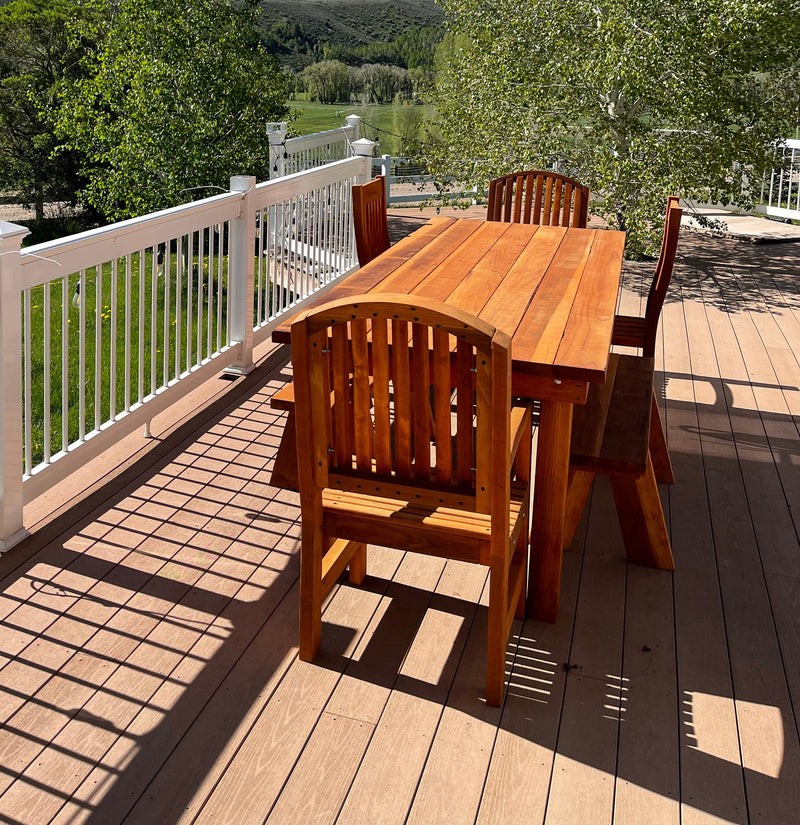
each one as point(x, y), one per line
point(369, 219)
point(663, 274)
point(383, 402)
point(538, 197)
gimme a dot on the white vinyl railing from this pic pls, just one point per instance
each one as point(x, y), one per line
point(298, 154)
point(101, 331)
point(780, 192)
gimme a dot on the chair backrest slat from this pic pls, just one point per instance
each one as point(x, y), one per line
point(340, 368)
point(440, 367)
point(420, 401)
point(370, 222)
point(382, 409)
point(538, 197)
point(362, 400)
point(465, 445)
point(401, 383)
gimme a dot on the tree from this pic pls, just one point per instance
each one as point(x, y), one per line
point(638, 99)
point(176, 96)
point(328, 81)
point(36, 54)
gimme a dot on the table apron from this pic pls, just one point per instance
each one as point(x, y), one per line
point(549, 389)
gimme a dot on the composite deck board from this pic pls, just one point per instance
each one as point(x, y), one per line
point(582, 786)
point(712, 784)
point(148, 668)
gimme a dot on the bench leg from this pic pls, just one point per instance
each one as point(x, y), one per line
point(578, 489)
point(357, 569)
point(658, 445)
point(641, 519)
point(284, 470)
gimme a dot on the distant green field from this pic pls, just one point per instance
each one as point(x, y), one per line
point(317, 117)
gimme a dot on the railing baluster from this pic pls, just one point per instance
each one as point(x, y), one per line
point(128, 291)
point(26, 381)
point(81, 297)
point(112, 366)
point(187, 256)
point(219, 285)
point(153, 332)
point(64, 363)
point(211, 302)
point(178, 303)
point(200, 292)
point(98, 344)
point(140, 342)
point(47, 365)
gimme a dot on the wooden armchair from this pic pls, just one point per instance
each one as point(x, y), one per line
point(369, 219)
point(633, 331)
point(538, 197)
point(409, 447)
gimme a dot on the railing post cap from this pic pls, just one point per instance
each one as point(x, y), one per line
point(364, 147)
point(276, 131)
point(242, 183)
point(350, 120)
point(12, 230)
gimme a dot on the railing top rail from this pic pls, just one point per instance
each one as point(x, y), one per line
point(126, 237)
point(274, 191)
point(298, 144)
point(791, 143)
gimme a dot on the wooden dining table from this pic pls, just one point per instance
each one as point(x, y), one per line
point(554, 290)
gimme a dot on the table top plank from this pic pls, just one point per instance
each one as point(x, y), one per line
point(482, 244)
point(584, 344)
point(541, 329)
point(413, 271)
point(485, 280)
point(511, 301)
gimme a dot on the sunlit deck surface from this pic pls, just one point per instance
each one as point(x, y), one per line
point(150, 672)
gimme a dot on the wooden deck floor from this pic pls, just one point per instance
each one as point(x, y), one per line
point(149, 671)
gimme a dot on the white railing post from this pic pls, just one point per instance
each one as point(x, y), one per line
point(363, 148)
point(386, 171)
point(241, 277)
point(354, 122)
point(276, 132)
point(11, 526)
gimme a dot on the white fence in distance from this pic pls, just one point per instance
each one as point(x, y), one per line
point(780, 192)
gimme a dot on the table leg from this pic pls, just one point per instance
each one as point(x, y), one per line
point(549, 504)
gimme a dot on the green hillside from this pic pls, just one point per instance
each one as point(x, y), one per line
point(353, 22)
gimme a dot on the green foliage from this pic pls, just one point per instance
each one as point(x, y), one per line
point(36, 54)
point(637, 99)
point(331, 81)
point(176, 96)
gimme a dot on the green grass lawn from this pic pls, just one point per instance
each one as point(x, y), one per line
point(317, 117)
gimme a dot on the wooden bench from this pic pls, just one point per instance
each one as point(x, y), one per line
point(612, 434)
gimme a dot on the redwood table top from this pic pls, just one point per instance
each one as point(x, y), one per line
point(553, 289)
